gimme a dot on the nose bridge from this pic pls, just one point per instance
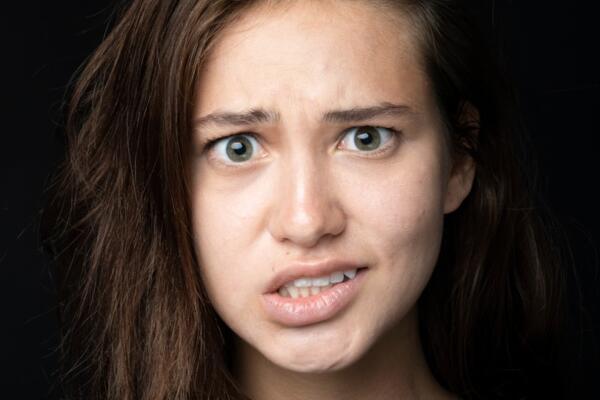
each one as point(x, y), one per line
point(307, 207)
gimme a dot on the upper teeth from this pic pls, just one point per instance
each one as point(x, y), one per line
point(335, 277)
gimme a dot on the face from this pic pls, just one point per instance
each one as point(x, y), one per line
point(326, 150)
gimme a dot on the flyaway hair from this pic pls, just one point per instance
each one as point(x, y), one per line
point(137, 322)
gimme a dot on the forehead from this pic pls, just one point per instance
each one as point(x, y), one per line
point(317, 53)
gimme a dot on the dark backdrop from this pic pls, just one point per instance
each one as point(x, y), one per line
point(550, 47)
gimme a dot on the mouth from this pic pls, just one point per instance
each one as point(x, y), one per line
point(296, 306)
point(306, 287)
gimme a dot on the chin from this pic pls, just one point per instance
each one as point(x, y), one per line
point(315, 359)
point(317, 365)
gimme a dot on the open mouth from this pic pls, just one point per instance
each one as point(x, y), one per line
point(296, 306)
point(306, 287)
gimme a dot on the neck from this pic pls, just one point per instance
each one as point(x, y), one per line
point(393, 368)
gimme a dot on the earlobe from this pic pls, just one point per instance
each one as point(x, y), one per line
point(460, 183)
point(463, 169)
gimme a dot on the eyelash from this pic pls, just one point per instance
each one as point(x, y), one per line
point(208, 144)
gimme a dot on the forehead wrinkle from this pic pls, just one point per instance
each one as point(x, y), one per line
point(254, 116)
point(258, 116)
point(346, 94)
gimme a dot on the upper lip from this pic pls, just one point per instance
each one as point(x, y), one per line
point(311, 269)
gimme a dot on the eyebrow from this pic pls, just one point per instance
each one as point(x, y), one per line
point(357, 114)
point(254, 116)
point(257, 116)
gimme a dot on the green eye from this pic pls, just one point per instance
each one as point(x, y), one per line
point(367, 138)
point(241, 148)
point(237, 149)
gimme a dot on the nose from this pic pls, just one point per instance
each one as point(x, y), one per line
point(306, 207)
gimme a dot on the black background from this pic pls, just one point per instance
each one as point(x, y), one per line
point(550, 47)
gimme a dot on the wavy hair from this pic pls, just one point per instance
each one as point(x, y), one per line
point(137, 322)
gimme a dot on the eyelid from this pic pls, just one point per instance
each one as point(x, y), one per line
point(394, 133)
point(210, 147)
point(210, 144)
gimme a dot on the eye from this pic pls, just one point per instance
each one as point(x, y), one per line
point(237, 148)
point(367, 138)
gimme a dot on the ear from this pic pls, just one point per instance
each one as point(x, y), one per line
point(462, 170)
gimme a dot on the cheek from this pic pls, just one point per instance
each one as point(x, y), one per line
point(394, 212)
point(403, 206)
point(401, 220)
point(226, 229)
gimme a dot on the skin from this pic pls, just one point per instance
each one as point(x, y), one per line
point(307, 194)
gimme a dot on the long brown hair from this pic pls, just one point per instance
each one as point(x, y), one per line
point(137, 323)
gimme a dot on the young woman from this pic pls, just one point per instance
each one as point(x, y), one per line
point(299, 199)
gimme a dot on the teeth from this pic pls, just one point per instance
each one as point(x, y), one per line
point(323, 281)
point(336, 277)
point(303, 282)
point(351, 273)
point(304, 287)
point(293, 291)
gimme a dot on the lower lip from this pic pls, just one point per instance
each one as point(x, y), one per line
point(315, 308)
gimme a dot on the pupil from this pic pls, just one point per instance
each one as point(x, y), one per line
point(239, 149)
point(367, 138)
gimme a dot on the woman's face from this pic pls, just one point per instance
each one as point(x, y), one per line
point(338, 162)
